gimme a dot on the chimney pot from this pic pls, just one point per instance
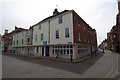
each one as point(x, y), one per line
point(6, 31)
point(55, 12)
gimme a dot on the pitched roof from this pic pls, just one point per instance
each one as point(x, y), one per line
point(52, 16)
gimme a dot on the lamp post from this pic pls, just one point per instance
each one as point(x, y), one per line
point(57, 51)
point(71, 58)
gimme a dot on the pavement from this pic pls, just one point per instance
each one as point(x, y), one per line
point(55, 59)
point(101, 65)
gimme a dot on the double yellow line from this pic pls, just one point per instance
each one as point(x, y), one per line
point(113, 67)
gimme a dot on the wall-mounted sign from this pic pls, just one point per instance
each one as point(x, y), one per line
point(44, 42)
point(114, 36)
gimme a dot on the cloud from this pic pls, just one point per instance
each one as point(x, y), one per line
point(99, 14)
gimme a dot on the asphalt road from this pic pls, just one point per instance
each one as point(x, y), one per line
point(99, 66)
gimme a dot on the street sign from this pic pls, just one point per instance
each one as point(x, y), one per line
point(44, 42)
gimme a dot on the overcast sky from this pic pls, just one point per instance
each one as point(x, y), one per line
point(99, 14)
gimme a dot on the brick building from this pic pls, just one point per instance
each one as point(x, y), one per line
point(7, 39)
point(103, 44)
point(22, 41)
point(64, 33)
point(113, 37)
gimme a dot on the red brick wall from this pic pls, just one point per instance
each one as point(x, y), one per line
point(9, 37)
point(78, 20)
point(76, 28)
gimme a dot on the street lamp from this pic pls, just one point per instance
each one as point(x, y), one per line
point(71, 54)
point(57, 51)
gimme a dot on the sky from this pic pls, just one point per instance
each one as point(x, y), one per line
point(99, 14)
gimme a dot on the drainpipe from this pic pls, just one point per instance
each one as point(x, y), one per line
point(49, 34)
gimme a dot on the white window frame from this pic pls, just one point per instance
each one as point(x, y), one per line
point(17, 42)
point(42, 37)
point(67, 34)
point(36, 38)
point(79, 35)
point(83, 26)
point(83, 50)
point(63, 47)
point(29, 39)
point(39, 27)
point(37, 49)
point(60, 19)
point(84, 37)
point(57, 34)
point(79, 25)
point(22, 41)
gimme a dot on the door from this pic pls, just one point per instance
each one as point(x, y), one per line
point(28, 50)
point(5, 49)
point(47, 51)
point(42, 51)
point(117, 49)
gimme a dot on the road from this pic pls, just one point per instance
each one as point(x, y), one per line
point(99, 66)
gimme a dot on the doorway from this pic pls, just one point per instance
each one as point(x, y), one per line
point(117, 49)
point(47, 51)
point(42, 51)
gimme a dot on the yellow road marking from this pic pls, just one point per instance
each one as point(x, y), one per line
point(109, 73)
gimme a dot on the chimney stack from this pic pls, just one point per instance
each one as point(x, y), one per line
point(6, 31)
point(16, 28)
point(119, 5)
point(55, 12)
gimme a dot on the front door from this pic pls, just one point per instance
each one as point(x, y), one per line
point(42, 51)
point(47, 51)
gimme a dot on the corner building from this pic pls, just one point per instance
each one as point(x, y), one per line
point(64, 33)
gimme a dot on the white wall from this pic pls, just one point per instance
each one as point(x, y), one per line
point(44, 30)
point(54, 25)
point(67, 23)
point(19, 36)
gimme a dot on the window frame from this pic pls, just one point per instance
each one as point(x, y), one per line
point(17, 42)
point(84, 37)
point(28, 40)
point(83, 26)
point(79, 35)
point(36, 38)
point(42, 37)
point(60, 19)
point(39, 27)
point(22, 41)
point(37, 49)
point(79, 25)
point(67, 34)
point(57, 34)
point(64, 50)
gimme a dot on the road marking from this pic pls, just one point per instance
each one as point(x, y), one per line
point(110, 72)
